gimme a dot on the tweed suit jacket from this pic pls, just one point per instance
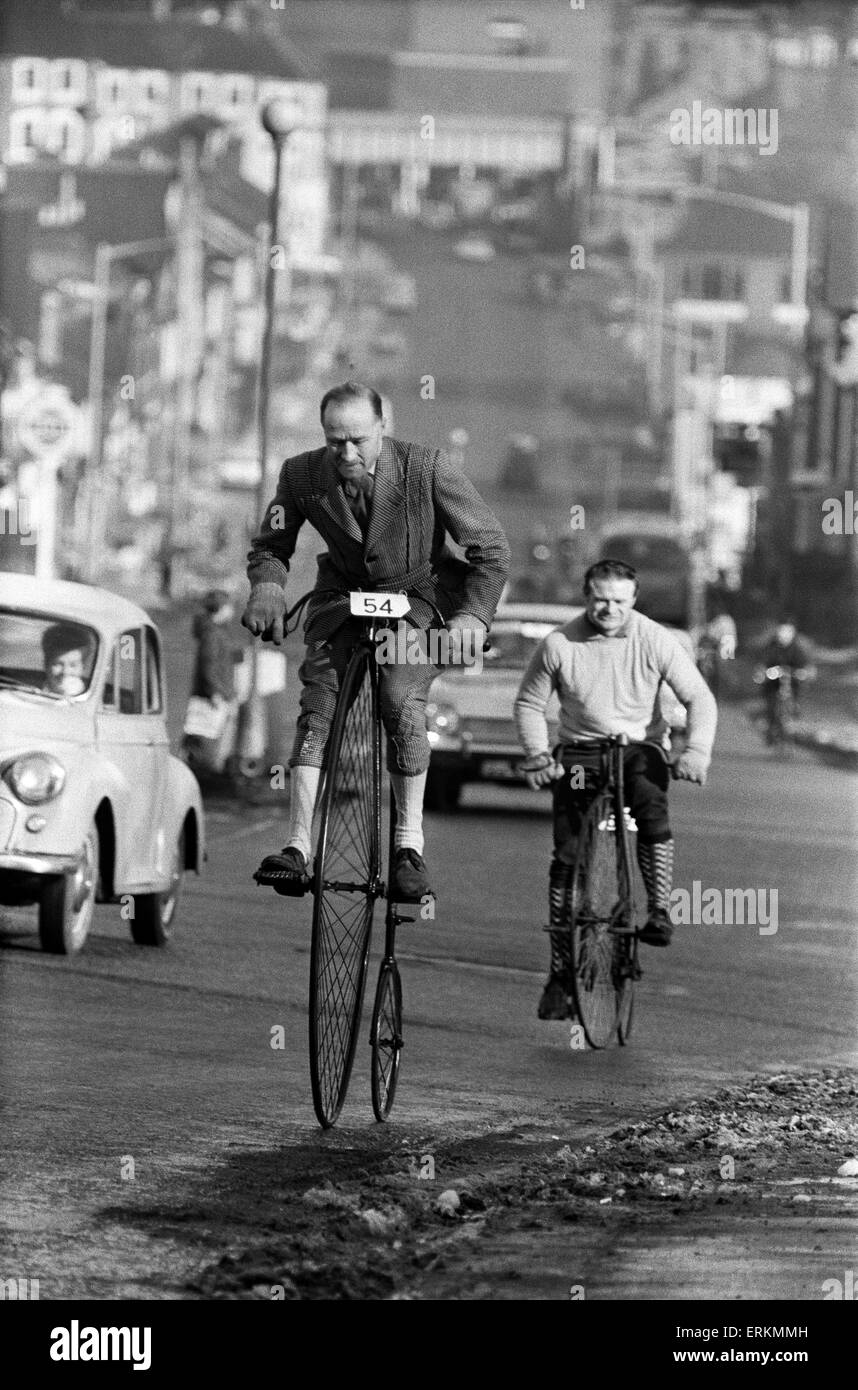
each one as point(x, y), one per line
point(418, 497)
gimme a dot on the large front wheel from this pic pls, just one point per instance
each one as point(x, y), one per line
point(345, 885)
point(602, 917)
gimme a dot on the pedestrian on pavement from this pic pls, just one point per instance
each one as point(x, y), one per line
point(213, 684)
point(384, 506)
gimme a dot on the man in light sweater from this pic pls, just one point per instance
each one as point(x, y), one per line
point(607, 667)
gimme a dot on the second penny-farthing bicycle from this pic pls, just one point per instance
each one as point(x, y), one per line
point(603, 918)
point(347, 881)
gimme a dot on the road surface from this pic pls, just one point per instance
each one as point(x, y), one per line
point(150, 1123)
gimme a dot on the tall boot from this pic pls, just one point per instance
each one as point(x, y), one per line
point(656, 866)
point(556, 1001)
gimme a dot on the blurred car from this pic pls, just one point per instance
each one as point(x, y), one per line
point(469, 714)
point(475, 248)
point(437, 215)
point(389, 342)
point(401, 295)
point(656, 547)
point(93, 806)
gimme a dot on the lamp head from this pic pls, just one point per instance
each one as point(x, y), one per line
point(279, 117)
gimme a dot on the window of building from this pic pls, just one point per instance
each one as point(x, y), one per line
point(29, 78)
point(24, 140)
point(711, 282)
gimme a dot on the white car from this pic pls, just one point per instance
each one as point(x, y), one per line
point(93, 805)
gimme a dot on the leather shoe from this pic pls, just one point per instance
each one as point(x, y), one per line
point(286, 873)
point(657, 931)
point(410, 879)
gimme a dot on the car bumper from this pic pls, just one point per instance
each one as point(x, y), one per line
point(37, 863)
point(479, 761)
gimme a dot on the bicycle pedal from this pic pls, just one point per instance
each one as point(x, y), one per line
point(286, 885)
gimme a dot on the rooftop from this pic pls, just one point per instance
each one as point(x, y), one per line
point(131, 38)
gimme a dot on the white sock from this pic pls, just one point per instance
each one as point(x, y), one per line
point(408, 792)
point(303, 789)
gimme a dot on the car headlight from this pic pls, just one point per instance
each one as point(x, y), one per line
point(35, 777)
point(442, 719)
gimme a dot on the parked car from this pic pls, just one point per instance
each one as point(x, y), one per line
point(93, 806)
point(469, 715)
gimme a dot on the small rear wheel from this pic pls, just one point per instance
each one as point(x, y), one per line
point(386, 1039)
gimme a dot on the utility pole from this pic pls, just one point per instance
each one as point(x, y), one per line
point(278, 119)
point(189, 314)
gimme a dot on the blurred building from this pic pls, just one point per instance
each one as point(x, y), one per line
point(78, 85)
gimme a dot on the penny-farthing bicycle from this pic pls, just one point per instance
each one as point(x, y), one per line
point(347, 882)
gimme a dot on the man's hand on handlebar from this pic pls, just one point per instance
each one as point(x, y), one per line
point(462, 653)
point(691, 767)
point(541, 770)
point(263, 615)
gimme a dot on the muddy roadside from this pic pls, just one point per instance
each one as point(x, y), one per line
point(749, 1194)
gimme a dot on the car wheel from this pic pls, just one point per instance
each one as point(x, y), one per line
point(443, 791)
point(154, 913)
point(66, 904)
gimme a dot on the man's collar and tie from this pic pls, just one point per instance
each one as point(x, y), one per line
point(358, 493)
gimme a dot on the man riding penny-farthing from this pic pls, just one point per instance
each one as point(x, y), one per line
point(385, 508)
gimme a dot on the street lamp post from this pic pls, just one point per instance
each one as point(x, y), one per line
point(279, 120)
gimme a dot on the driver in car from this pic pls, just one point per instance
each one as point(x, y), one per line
point(67, 653)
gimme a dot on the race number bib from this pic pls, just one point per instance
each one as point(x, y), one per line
point(365, 605)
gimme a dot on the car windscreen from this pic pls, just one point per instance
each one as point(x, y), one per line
point(647, 552)
point(45, 654)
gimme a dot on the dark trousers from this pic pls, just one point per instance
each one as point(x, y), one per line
point(646, 779)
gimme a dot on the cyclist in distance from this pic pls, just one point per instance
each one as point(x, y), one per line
point(384, 508)
point(784, 649)
point(607, 667)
